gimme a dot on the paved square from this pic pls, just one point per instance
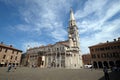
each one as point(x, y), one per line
point(55, 74)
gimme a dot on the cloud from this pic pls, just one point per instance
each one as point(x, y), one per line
point(108, 32)
point(94, 25)
point(89, 7)
point(44, 16)
point(23, 27)
point(31, 44)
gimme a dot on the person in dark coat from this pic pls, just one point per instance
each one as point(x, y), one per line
point(105, 70)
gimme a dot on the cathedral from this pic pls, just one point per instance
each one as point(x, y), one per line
point(63, 54)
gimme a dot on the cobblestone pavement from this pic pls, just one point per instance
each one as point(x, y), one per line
point(55, 74)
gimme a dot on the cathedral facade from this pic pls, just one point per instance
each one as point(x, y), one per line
point(63, 54)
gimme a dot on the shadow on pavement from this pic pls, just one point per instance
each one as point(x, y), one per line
point(113, 76)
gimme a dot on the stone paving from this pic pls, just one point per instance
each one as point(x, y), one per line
point(55, 74)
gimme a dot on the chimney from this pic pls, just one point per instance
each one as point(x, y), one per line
point(10, 45)
point(114, 40)
point(118, 38)
point(107, 41)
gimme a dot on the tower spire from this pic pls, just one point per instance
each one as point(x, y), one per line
point(71, 15)
point(72, 21)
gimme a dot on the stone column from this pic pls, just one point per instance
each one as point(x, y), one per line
point(65, 59)
point(60, 61)
point(56, 60)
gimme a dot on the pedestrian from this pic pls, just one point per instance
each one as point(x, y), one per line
point(15, 67)
point(91, 68)
point(106, 75)
point(9, 67)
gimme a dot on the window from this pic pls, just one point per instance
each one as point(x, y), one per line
point(57, 49)
point(111, 47)
point(5, 50)
point(17, 52)
point(115, 47)
point(48, 49)
point(102, 56)
point(0, 49)
point(92, 50)
point(118, 47)
point(109, 55)
point(98, 56)
point(16, 58)
point(4, 56)
point(93, 56)
point(11, 57)
point(13, 51)
point(108, 47)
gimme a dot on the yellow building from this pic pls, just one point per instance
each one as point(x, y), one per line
point(106, 54)
point(9, 55)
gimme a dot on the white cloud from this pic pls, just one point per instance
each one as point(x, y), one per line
point(109, 31)
point(45, 15)
point(23, 27)
point(89, 7)
point(94, 25)
point(31, 44)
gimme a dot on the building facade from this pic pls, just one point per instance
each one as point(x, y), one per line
point(9, 55)
point(106, 54)
point(63, 54)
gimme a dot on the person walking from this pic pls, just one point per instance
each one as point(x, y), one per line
point(9, 68)
point(106, 75)
point(14, 68)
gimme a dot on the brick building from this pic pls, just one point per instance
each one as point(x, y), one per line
point(9, 55)
point(106, 54)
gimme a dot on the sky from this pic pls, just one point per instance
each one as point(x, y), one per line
point(42, 22)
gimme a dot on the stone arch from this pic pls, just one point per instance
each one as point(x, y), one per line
point(105, 63)
point(100, 65)
point(111, 63)
point(39, 61)
point(1, 65)
point(95, 64)
point(117, 63)
point(5, 64)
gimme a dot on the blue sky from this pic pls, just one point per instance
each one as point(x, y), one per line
point(41, 22)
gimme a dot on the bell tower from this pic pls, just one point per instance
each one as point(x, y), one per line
point(73, 32)
point(74, 44)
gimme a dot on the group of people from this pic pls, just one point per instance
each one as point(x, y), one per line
point(14, 67)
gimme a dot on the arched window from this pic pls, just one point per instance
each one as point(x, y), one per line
point(95, 64)
point(111, 63)
point(105, 63)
